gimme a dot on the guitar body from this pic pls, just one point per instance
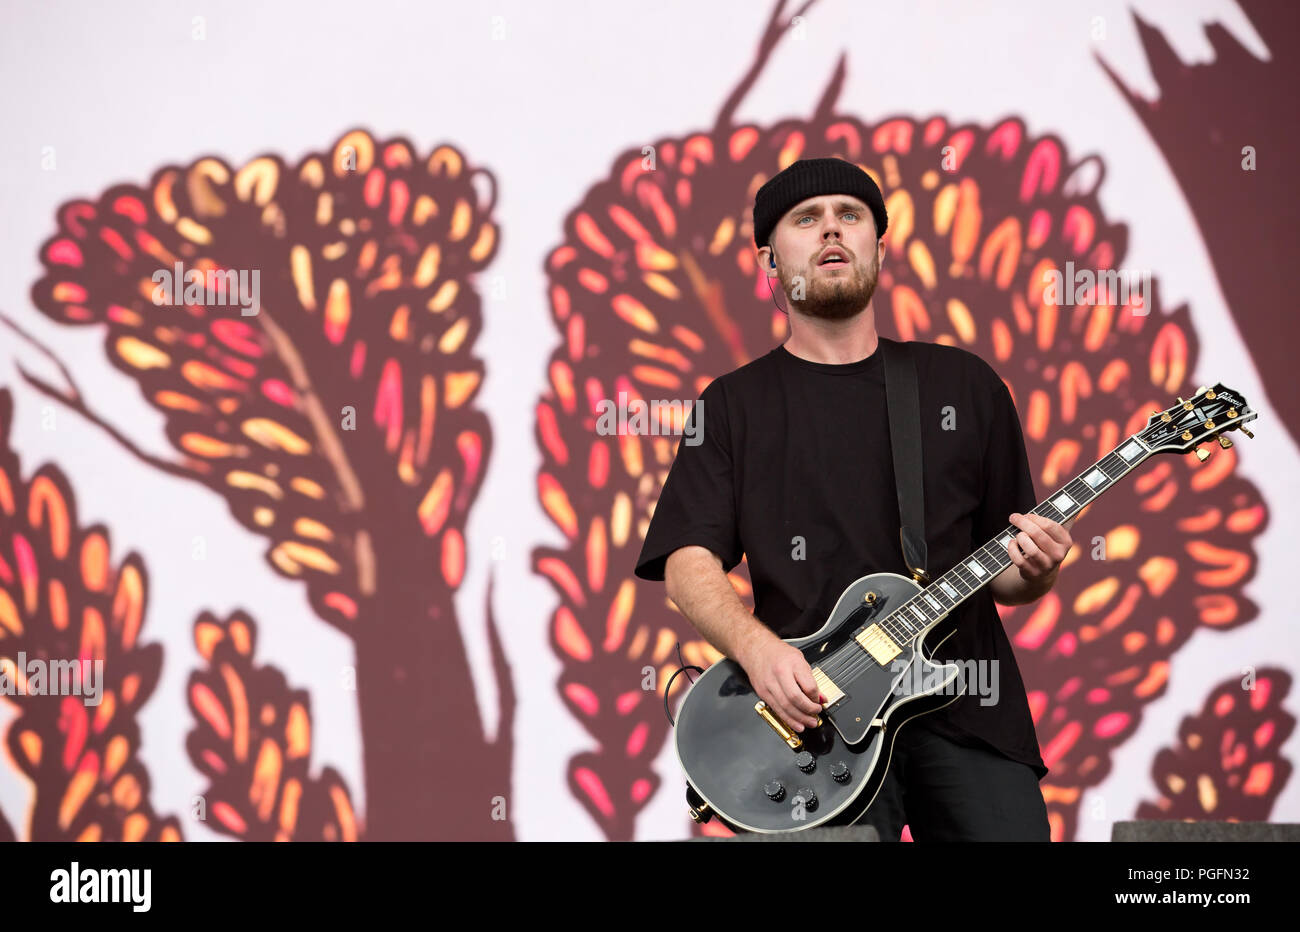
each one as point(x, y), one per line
point(733, 757)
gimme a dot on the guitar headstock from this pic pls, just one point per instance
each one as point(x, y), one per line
point(1206, 416)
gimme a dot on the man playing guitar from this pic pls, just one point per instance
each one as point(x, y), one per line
point(794, 472)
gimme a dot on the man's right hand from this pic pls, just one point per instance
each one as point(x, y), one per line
point(783, 679)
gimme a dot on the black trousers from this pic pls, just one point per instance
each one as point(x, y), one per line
point(947, 792)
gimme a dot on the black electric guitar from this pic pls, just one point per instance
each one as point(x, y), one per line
point(752, 771)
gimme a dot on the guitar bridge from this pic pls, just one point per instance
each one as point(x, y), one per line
point(786, 733)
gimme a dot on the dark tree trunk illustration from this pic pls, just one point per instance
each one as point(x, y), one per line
point(422, 727)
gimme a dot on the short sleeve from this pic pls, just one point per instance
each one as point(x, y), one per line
point(1008, 481)
point(697, 504)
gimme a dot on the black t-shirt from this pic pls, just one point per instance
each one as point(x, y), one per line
point(794, 460)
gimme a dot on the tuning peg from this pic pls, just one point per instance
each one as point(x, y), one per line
point(1202, 455)
point(1246, 432)
point(1200, 389)
point(1225, 442)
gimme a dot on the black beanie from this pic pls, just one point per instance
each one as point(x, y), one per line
point(809, 178)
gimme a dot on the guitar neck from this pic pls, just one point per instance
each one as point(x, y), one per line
point(973, 573)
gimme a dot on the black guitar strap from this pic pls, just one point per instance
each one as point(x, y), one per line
point(905, 441)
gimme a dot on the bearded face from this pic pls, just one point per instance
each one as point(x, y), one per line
point(826, 257)
point(833, 290)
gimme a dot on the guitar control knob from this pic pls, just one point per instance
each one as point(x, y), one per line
point(840, 772)
point(805, 762)
point(775, 791)
point(809, 797)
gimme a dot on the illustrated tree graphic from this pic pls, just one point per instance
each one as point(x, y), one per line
point(655, 291)
point(64, 606)
point(1227, 764)
point(338, 422)
point(252, 740)
point(337, 419)
point(63, 601)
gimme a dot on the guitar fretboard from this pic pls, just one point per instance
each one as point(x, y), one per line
point(970, 575)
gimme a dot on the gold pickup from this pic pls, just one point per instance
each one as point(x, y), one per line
point(832, 692)
point(879, 644)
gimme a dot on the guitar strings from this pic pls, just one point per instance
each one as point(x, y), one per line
point(847, 662)
point(851, 663)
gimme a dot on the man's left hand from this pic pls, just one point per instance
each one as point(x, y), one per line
point(1040, 546)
